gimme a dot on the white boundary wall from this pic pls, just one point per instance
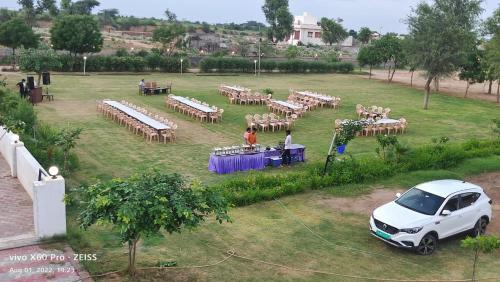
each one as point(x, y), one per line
point(49, 209)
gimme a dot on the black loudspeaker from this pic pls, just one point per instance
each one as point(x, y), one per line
point(46, 78)
point(31, 82)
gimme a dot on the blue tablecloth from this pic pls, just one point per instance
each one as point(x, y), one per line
point(232, 164)
point(297, 152)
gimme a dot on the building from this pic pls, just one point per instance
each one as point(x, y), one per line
point(305, 30)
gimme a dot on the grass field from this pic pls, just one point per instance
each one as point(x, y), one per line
point(336, 242)
point(108, 150)
point(333, 242)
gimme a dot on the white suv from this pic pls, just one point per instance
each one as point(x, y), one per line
point(432, 211)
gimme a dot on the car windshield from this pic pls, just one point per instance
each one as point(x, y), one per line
point(420, 201)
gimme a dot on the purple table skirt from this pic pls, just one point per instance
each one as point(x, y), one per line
point(232, 164)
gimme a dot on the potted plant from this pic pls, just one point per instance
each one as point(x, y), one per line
point(347, 132)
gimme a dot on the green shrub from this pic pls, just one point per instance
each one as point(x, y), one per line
point(239, 65)
point(257, 187)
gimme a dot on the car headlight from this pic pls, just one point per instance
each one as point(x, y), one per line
point(411, 230)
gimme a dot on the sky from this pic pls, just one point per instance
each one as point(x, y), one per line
point(381, 15)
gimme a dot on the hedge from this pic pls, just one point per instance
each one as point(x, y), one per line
point(152, 62)
point(258, 187)
point(238, 65)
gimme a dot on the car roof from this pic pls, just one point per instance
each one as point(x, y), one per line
point(444, 188)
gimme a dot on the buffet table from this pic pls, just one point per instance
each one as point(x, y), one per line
point(227, 164)
point(234, 163)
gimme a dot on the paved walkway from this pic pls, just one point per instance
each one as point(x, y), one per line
point(16, 208)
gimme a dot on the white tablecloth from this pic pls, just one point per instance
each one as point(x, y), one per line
point(138, 115)
point(318, 96)
point(387, 121)
point(235, 88)
point(288, 105)
point(192, 104)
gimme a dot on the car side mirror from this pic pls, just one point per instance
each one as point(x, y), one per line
point(445, 213)
point(398, 195)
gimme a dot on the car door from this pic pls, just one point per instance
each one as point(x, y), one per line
point(469, 210)
point(447, 225)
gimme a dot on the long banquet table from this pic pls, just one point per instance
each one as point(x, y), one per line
point(137, 115)
point(192, 104)
point(256, 161)
point(235, 88)
point(317, 96)
point(288, 105)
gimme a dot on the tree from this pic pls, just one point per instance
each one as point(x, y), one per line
point(472, 71)
point(171, 17)
point(243, 47)
point(353, 33)
point(167, 34)
point(29, 11)
point(6, 14)
point(144, 204)
point(108, 16)
point(38, 60)
point(390, 49)
point(66, 140)
point(279, 18)
point(77, 34)
point(491, 28)
point(483, 244)
point(440, 35)
point(47, 5)
point(15, 34)
point(292, 52)
point(82, 7)
point(369, 55)
point(332, 32)
point(364, 35)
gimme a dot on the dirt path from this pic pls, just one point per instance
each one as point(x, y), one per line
point(451, 86)
point(366, 204)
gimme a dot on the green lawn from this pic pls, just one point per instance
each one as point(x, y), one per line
point(332, 242)
point(265, 231)
point(107, 150)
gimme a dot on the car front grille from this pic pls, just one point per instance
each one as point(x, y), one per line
point(385, 227)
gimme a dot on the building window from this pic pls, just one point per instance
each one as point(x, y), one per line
point(296, 35)
point(317, 35)
point(310, 34)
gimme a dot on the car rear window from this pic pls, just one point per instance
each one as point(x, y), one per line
point(468, 199)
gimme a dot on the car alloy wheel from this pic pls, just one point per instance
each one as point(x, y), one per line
point(480, 227)
point(428, 245)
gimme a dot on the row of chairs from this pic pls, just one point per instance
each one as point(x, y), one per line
point(270, 121)
point(194, 112)
point(275, 107)
point(136, 126)
point(372, 129)
point(320, 100)
point(372, 112)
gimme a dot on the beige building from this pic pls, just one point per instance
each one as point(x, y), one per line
point(306, 30)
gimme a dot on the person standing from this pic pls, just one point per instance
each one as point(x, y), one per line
point(22, 88)
point(252, 137)
point(141, 86)
point(246, 134)
point(287, 157)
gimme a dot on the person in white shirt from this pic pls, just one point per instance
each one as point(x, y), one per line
point(141, 86)
point(287, 157)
